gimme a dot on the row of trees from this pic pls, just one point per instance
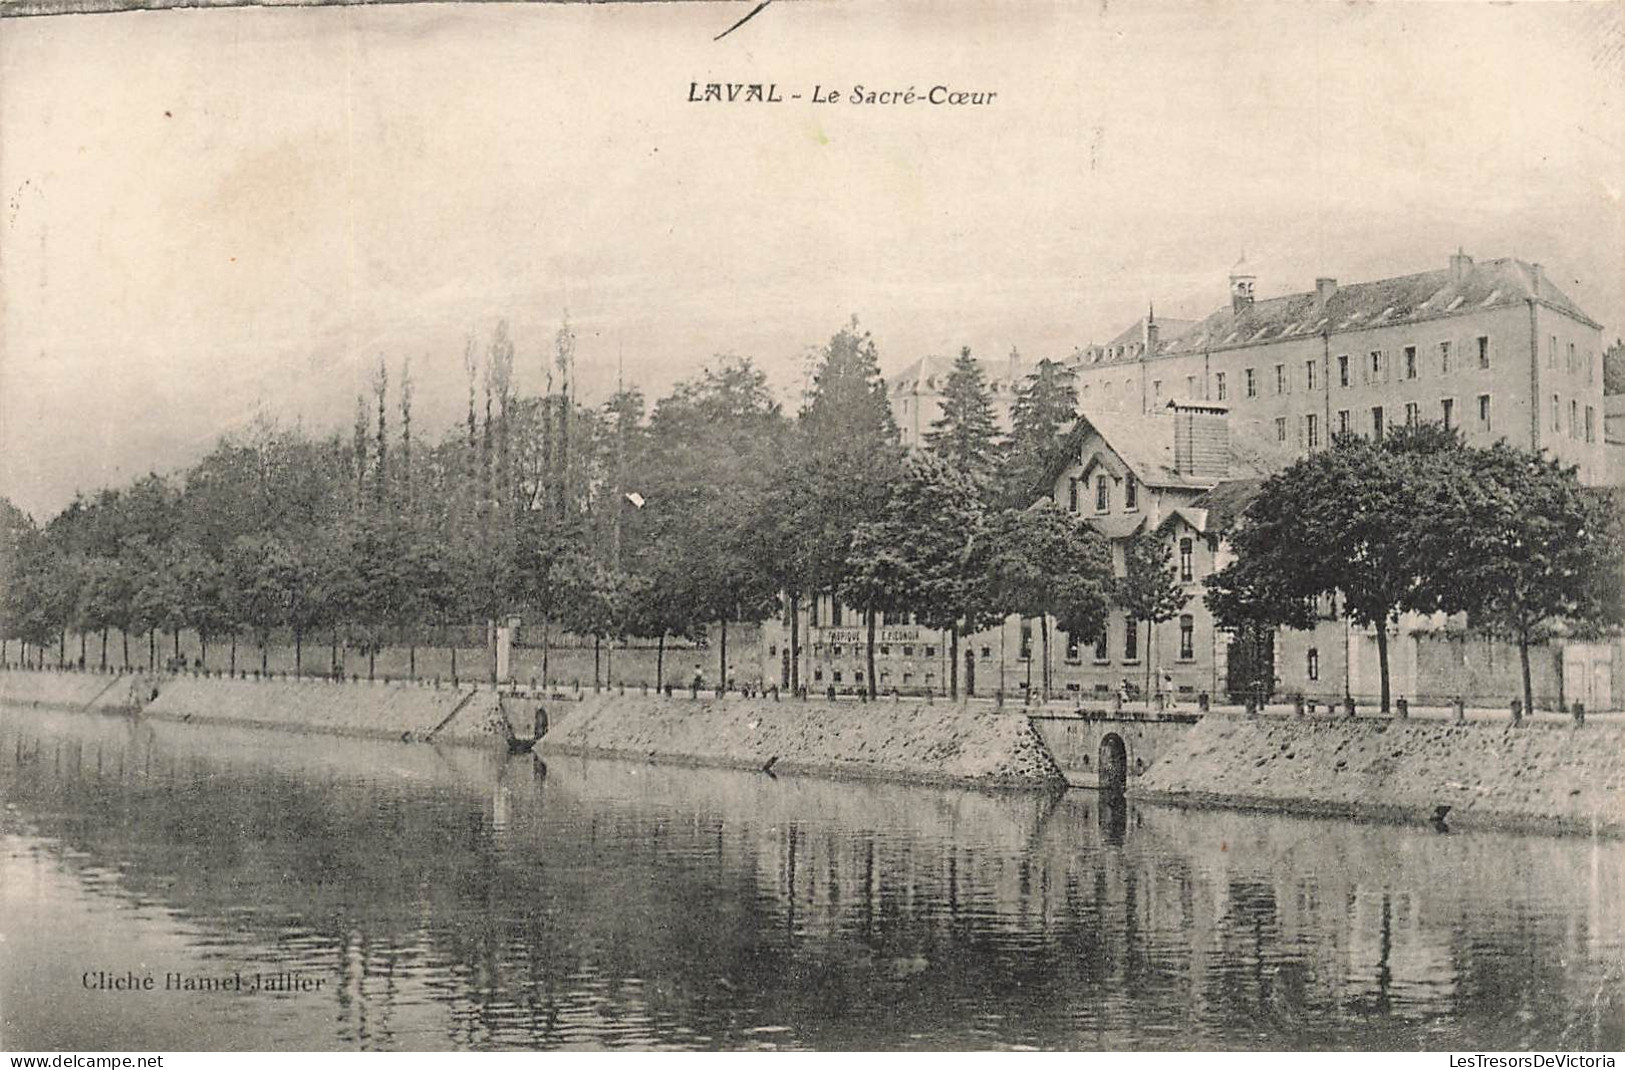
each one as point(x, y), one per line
point(608, 522)
point(1419, 522)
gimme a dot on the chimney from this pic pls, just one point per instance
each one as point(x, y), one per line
point(1539, 274)
point(1460, 265)
point(1151, 332)
point(1325, 290)
point(1201, 440)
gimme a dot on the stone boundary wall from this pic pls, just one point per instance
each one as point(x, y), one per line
point(940, 743)
point(1542, 775)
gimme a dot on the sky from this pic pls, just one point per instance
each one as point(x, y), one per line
point(215, 214)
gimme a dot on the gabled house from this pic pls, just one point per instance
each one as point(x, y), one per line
point(1182, 475)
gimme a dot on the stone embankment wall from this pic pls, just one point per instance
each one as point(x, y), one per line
point(913, 741)
point(1539, 775)
point(384, 711)
point(412, 712)
point(75, 690)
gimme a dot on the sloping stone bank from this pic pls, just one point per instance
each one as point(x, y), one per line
point(378, 710)
point(910, 741)
point(75, 690)
point(1540, 775)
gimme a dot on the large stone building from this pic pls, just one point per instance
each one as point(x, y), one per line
point(1180, 420)
point(1493, 348)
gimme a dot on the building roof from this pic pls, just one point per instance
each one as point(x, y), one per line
point(1225, 503)
point(1128, 345)
point(1406, 299)
point(930, 374)
point(1145, 444)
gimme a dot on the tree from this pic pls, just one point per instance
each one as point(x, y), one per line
point(1149, 590)
point(711, 450)
point(1523, 547)
point(964, 434)
point(837, 474)
point(1045, 407)
point(1047, 563)
point(937, 530)
point(1340, 522)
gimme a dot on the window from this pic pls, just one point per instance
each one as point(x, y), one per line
point(1309, 373)
point(1311, 431)
point(1280, 429)
point(1026, 641)
point(1551, 352)
point(1280, 378)
point(835, 650)
point(1412, 415)
point(1252, 383)
point(1131, 492)
point(1218, 385)
point(1591, 366)
point(1444, 358)
point(987, 652)
point(1410, 362)
point(1343, 370)
point(1447, 412)
point(1072, 653)
point(1187, 560)
point(857, 676)
point(1483, 351)
point(908, 652)
point(1572, 366)
point(930, 651)
point(1342, 421)
point(884, 650)
point(1591, 424)
point(818, 674)
point(1376, 422)
point(1103, 494)
point(1483, 412)
point(1101, 651)
point(1574, 418)
point(1314, 663)
point(1187, 637)
point(1072, 494)
point(1378, 366)
point(1131, 639)
point(834, 613)
point(1557, 413)
point(1156, 388)
point(837, 675)
point(1190, 386)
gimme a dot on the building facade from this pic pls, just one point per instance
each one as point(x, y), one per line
point(1494, 349)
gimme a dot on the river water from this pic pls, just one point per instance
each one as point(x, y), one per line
point(395, 896)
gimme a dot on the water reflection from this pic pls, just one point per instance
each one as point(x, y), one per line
point(454, 898)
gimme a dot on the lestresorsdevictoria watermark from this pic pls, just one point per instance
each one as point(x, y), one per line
point(1555, 1061)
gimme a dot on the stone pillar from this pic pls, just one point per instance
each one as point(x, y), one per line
point(1297, 705)
point(1403, 706)
point(1458, 710)
point(1348, 706)
point(1517, 711)
point(1204, 702)
point(504, 648)
point(1579, 709)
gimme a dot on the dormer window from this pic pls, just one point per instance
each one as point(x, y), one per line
point(1103, 494)
point(1131, 493)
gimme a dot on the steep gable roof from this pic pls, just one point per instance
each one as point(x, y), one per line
point(1144, 443)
